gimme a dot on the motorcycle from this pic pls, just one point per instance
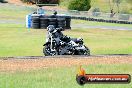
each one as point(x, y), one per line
point(59, 44)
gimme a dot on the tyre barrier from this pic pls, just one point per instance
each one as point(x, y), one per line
point(35, 22)
point(42, 22)
point(53, 21)
point(101, 20)
point(68, 22)
point(61, 21)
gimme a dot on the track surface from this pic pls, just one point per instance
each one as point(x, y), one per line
point(31, 63)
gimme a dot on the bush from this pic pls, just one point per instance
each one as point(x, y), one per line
point(80, 5)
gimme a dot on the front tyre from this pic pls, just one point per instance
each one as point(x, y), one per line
point(47, 51)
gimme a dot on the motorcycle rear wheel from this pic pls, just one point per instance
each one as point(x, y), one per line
point(85, 52)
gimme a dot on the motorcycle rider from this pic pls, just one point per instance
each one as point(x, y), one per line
point(59, 44)
point(57, 34)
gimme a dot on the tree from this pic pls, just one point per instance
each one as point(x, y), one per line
point(112, 4)
point(80, 5)
point(117, 4)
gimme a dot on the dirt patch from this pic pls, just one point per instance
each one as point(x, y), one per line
point(32, 64)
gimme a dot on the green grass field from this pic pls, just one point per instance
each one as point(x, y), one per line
point(16, 40)
point(62, 77)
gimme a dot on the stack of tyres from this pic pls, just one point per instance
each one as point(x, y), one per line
point(35, 22)
point(52, 21)
point(68, 22)
point(61, 22)
point(44, 22)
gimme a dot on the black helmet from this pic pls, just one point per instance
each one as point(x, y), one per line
point(50, 28)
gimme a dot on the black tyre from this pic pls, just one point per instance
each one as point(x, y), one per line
point(67, 27)
point(35, 22)
point(35, 19)
point(44, 22)
point(52, 23)
point(35, 26)
point(61, 23)
point(60, 19)
point(87, 52)
point(47, 51)
point(52, 19)
point(84, 52)
point(43, 26)
point(68, 23)
point(63, 26)
point(44, 19)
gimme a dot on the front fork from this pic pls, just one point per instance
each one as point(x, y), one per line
point(51, 41)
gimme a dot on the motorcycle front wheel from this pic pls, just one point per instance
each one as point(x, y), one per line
point(47, 51)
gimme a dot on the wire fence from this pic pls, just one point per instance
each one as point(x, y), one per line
point(96, 16)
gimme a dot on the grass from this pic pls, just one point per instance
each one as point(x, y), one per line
point(16, 40)
point(19, 41)
point(62, 77)
point(8, 11)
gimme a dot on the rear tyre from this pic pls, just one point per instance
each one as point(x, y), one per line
point(84, 52)
point(87, 51)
